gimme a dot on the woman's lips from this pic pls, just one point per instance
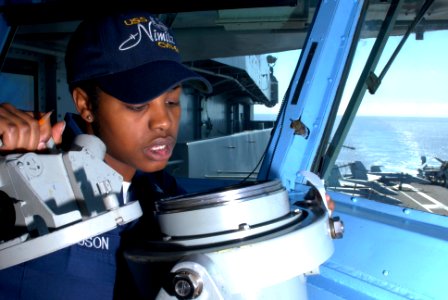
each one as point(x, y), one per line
point(160, 149)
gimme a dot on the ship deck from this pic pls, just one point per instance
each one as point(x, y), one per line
point(397, 189)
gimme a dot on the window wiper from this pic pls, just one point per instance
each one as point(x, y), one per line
point(373, 82)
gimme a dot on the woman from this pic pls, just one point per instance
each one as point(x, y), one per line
point(125, 77)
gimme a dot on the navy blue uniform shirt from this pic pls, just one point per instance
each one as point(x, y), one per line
point(88, 270)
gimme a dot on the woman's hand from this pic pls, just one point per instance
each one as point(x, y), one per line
point(330, 203)
point(19, 130)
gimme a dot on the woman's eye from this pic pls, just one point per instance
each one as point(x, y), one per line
point(173, 102)
point(136, 107)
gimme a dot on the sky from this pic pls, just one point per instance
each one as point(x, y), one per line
point(420, 71)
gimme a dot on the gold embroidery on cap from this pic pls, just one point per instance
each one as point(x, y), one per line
point(135, 21)
point(167, 45)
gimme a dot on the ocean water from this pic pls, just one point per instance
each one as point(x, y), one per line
point(396, 144)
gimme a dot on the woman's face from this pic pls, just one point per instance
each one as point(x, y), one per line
point(138, 136)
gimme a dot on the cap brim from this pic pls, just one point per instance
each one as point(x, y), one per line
point(149, 81)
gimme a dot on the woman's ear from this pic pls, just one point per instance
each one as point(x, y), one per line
point(82, 104)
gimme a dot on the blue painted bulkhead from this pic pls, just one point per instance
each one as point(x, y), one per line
point(387, 252)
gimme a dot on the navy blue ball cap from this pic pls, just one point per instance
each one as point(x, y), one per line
point(132, 56)
point(148, 81)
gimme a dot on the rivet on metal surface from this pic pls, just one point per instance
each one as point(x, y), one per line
point(244, 226)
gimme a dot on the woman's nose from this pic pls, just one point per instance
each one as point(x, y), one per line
point(159, 115)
